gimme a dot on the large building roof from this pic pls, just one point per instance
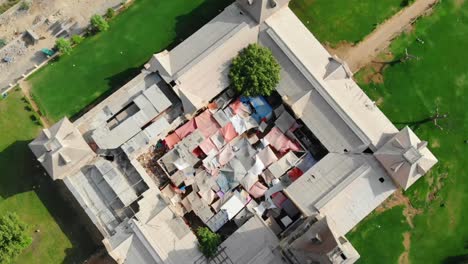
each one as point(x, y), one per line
point(343, 187)
point(199, 66)
point(61, 149)
point(406, 158)
point(316, 242)
point(331, 81)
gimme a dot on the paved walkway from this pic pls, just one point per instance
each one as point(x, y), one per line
point(365, 51)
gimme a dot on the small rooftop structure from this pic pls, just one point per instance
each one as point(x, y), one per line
point(132, 119)
point(61, 149)
point(260, 10)
point(406, 158)
point(315, 242)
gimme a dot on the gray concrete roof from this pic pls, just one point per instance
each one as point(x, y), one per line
point(339, 91)
point(253, 242)
point(343, 187)
point(317, 242)
point(309, 105)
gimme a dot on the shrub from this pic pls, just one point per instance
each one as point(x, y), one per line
point(98, 23)
point(64, 46)
point(25, 5)
point(2, 42)
point(255, 71)
point(110, 13)
point(208, 241)
point(13, 237)
point(77, 39)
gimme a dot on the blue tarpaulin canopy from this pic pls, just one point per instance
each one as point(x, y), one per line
point(260, 105)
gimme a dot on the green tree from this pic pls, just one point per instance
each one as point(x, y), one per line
point(98, 23)
point(63, 45)
point(13, 237)
point(255, 71)
point(208, 241)
point(77, 39)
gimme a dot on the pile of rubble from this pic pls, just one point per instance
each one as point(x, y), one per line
point(10, 51)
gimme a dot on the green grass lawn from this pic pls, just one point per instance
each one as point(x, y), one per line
point(388, 226)
point(25, 189)
point(334, 21)
point(110, 59)
point(411, 92)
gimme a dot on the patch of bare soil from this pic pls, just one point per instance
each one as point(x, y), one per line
point(379, 101)
point(404, 257)
point(340, 50)
point(436, 187)
point(26, 88)
point(435, 143)
point(398, 198)
point(373, 72)
point(459, 3)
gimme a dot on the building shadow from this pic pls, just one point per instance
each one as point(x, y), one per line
point(186, 25)
point(189, 23)
point(21, 172)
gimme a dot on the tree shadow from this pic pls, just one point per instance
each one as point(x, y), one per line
point(414, 125)
point(21, 172)
point(462, 259)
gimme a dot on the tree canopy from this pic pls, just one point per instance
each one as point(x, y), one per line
point(98, 23)
point(13, 237)
point(255, 71)
point(64, 46)
point(208, 241)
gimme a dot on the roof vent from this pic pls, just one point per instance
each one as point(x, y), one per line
point(412, 155)
point(250, 2)
point(316, 239)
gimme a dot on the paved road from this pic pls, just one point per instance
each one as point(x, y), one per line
point(365, 51)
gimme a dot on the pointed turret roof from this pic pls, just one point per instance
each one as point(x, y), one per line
point(406, 158)
point(61, 149)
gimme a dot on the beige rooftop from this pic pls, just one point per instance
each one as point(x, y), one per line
point(61, 149)
point(406, 158)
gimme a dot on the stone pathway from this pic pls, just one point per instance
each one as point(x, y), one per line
point(365, 51)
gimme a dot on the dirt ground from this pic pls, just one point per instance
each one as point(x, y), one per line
point(404, 257)
point(366, 51)
point(13, 22)
point(398, 198)
point(40, 17)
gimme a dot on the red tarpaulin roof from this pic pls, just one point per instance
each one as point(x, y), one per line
point(258, 190)
point(171, 140)
point(295, 173)
point(207, 146)
point(206, 124)
point(229, 133)
point(186, 129)
point(280, 142)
